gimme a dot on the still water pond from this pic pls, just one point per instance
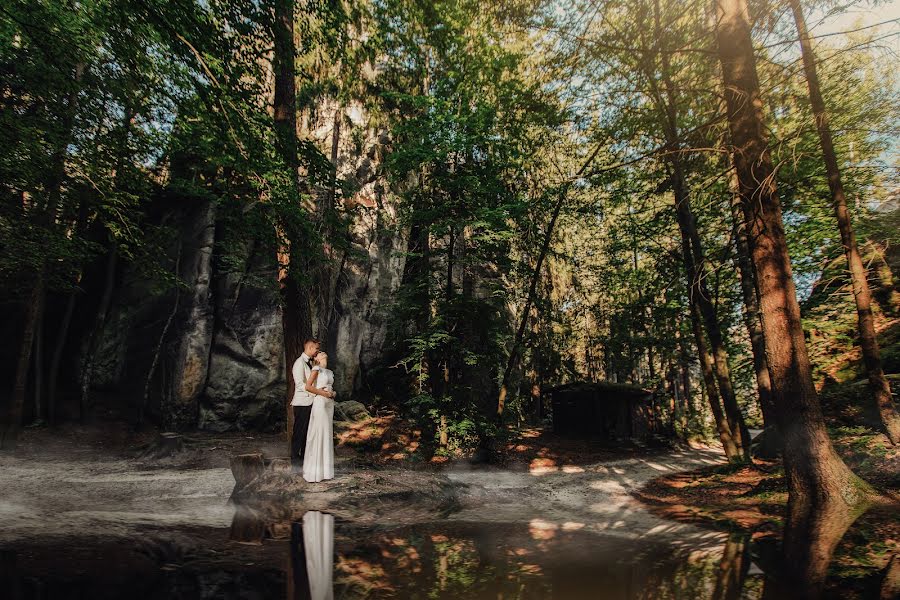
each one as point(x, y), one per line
point(315, 557)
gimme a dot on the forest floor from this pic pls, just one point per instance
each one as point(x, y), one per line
point(75, 482)
point(752, 501)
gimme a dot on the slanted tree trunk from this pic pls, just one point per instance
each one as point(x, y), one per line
point(532, 290)
point(692, 245)
point(817, 478)
point(62, 332)
point(881, 388)
point(535, 275)
point(685, 367)
point(732, 452)
point(151, 372)
point(699, 298)
point(754, 328)
point(87, 363)
point(56, 360)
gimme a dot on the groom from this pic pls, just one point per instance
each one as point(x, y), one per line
point(302, 401)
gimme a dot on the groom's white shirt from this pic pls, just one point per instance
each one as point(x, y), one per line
point(300, 371)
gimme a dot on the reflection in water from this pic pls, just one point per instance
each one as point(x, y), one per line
point(312, 557)
point(309, 556)
point(811, 535)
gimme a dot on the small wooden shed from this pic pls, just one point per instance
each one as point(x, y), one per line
point(604, 411)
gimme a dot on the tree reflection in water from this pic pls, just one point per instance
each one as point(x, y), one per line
point(518, 562)
point(275, 555)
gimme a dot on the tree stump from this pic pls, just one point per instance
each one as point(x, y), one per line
point(245, 468)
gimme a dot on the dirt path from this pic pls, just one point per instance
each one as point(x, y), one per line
point(68, 486)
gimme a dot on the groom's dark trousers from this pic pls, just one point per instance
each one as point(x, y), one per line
point(298, 435)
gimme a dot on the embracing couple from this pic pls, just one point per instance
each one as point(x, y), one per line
point(312, 440)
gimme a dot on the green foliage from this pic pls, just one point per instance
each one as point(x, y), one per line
point(463, 144)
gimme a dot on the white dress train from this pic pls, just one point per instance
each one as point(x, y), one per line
point(318, 458)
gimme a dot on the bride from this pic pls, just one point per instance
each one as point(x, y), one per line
point(318, 461)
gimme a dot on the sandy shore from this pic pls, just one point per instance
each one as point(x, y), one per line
point(77, 483)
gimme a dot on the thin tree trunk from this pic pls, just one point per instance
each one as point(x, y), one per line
point(532, 288)
point(699, 297)
point(694, 258)
point(162, 338)
point(56, 360)
point(335, 146)
point(87, 371)
point(732, 452)
point(754, 326)
point(881, 388)
point(685, 374)
point(817, 478)
point(33, 306)
point(39, 366)
point(87, 363)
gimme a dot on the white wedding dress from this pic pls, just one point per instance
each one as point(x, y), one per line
point(318, 458)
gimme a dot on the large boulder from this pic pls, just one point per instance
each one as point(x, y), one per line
point(351, 410)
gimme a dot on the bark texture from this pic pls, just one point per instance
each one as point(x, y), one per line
point(817, 477)
point(772, 445)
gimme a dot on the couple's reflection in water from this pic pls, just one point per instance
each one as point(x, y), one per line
point(310, 566)
point(312, 557)
point(521, 561)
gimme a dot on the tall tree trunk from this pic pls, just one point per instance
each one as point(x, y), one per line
point(87, 363)
point(532, 290)
point(817, 478)
point(297, 319)
point(881, 388)
point(285, 99)
point(142, 408)
point(699, 297)
point(329, 270)
point(754, 327)
point(692, 245)
point(685, 367)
